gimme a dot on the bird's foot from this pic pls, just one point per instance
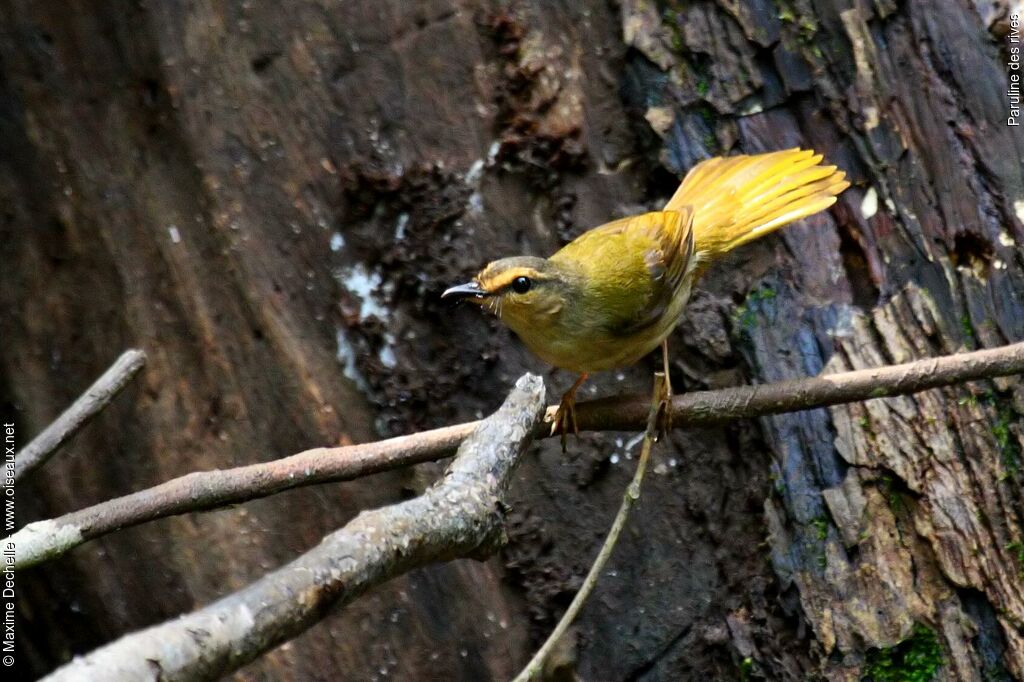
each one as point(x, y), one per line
point(665, 409)
point(564, 416)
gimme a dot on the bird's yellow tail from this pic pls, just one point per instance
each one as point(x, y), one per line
point(738, 199)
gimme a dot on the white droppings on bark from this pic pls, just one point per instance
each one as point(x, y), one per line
point(869, 205)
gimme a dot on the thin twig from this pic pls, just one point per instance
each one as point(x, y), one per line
point(460, 516)
point(535, 667)
point(88, 405)
point(198, 491)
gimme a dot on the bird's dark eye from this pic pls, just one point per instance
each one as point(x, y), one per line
point(521, 285)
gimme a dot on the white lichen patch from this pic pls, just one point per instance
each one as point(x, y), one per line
point(475, 172)
point(386, 355)
point(364, 284)
point(347, 357)
point(843, 327)
point(475, 175)
point(869, 205)
point(400, 224)
point(755, 106)
point(337, 242)
point(1018, 208)
point(492, 152)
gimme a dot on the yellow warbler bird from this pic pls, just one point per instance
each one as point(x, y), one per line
point(616, 292)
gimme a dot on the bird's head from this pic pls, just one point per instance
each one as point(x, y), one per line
point(524, 291)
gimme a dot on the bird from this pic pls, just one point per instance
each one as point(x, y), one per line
point(615, 293)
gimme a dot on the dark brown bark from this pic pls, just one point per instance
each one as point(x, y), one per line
point(220, 184)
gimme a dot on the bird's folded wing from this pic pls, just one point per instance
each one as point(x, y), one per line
point(634, 267)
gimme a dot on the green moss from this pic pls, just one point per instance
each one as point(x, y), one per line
point(746, 314)
point(915, 659)
point(807, 29)
point(708, 115)
point(746, 667)
point(820, 527)
point(702, 77)
point(1005, 416)
point(670, 21)
point(967, 329)
point(1009, 448)
point(743, 318)
point(896, 503)
point(806, 26)
point(970, 400)
point(1017, 547)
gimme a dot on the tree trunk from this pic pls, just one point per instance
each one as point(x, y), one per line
point(269, 199)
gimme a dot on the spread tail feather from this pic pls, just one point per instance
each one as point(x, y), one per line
point(738, 199)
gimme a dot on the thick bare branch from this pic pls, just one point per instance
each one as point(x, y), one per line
point(44, 540)
point(460, 516)
point(88, 405)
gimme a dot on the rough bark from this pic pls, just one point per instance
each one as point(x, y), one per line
point(269, 203)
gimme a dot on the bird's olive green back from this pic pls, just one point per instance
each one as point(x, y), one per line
point(633, 267)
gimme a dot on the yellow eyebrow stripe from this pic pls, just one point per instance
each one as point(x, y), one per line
point(503, 279)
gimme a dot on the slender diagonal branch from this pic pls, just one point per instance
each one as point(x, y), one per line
point(88, 405)
point(535, 667)
point(460, 516)
point(44, 540)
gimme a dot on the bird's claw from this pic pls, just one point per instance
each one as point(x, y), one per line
point(563, 418)
point(665, 404)
point(665, 409)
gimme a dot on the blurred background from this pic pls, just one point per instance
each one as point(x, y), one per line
point(269, 198)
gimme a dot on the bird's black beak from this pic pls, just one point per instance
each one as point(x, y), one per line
point(468, 290)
